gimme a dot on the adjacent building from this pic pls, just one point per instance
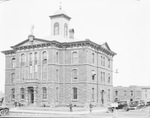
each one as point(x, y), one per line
point(131, 93)
point(146, 93)
point(59, 70)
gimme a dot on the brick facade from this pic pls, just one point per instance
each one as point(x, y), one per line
point(54, 73)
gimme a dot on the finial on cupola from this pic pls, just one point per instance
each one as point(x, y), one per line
point(60, 6)
point(31, 35)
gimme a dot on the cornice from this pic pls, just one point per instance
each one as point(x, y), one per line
point(63, 45)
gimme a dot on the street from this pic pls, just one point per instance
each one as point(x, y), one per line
point(141, 113)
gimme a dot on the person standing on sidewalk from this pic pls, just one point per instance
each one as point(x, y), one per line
point(90, 106)
point(70, 106)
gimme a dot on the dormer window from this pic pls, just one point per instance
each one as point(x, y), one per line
point(56, 29)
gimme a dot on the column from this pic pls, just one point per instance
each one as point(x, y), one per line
point(35, 94)
point(26, 95)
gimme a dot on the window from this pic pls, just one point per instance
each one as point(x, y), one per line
point(101, 76)
point(145, 95)
point(125, 93)
point(13, 94)
point(93, 75)
point(56, 29)
point(75, 95)
point(44, 93)
point(57, 95)
point(30, 59)
point(108, 63)
point(35, 58)
point(74, 57)
point(116, 92)
point(65, 30)
point(22, 60)
point(93, 94)
point(108, 94)
point(109, 78)
point(57, 76)
point(56, 57)
point(44, 56)
point(92, 58)
point(74, 74)
point(12, 77)
point(22, 91)
point(103, 61)
point(13, 62)
point(131, 93)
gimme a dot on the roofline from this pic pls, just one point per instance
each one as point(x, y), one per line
point(52, 16)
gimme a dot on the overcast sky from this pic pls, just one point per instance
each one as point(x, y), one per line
point(123, 24)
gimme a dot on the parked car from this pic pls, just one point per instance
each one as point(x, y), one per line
point(4, 110)
point(121, 105)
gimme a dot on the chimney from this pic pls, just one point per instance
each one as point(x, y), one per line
point(71, 33)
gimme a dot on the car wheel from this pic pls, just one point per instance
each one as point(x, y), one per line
point(6, 111)
point(2, 112)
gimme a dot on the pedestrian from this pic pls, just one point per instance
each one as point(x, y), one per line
point(90, 106)
point(70, 106)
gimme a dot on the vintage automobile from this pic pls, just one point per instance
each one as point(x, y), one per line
point(121, 105)
point(4, 110)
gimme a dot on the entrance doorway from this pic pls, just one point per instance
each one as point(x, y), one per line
point(31, 95)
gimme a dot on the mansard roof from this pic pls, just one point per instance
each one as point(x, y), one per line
point(27, 44)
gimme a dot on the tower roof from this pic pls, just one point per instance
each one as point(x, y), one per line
point(60, 12)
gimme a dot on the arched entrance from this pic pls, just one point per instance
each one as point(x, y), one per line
point(31, 95)
point(102, 97)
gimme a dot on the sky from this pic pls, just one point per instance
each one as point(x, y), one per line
point(123, 24)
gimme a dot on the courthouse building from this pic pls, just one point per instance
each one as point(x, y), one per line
point(59, 70)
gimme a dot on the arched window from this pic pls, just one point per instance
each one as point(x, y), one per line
point(44, 56)
point(57, 57)
point(57, 95)
point(108, 94)
point(44, 93)
point(30, 59)
point(93, 75)
point(22, 93)
point(57, 76)
point(75, 94)
point(74, 57)
point(12, 77)
point(74, 74)
point(109, 78)
point(56, 29)
point(92, 58)
point(92, 94)
point(65, 30)
point(131, 93)
point(108, 63)
point(35, 58)
point(13, 94)
point(104, 77)
point(101, 76)
point(13, 62)
point(116, 92)
point(22, 60)
point(103, 61)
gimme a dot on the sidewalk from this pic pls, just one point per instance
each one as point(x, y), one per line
point(63, 110)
